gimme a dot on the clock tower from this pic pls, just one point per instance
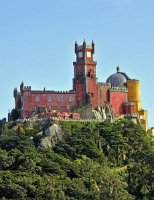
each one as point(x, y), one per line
point(85, 81)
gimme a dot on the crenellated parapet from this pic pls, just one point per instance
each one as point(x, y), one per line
point(84, 47)
point(27, 88)
point(51, 92)
point(103, 84)
point(118, 89)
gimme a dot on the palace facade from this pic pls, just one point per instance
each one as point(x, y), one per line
point(119, 91)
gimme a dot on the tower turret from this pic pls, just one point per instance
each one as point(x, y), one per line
point(15, 92)
point(85, 81)
point(76, 47)
point(134, 94)
point(21, 87)
point(93, 47)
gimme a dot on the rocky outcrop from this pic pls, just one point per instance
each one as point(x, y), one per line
point(52, 134)
point(55, 131)
point(103, 113)
point(46, 143)
point(100, 113)
point(85, 112)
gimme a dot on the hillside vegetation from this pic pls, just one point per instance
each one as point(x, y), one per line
point(94, 161)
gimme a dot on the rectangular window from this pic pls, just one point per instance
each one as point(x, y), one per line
point(68, 107)
point(88, 54)
point(37, 98)
point(60, 99)
point(49, 99)
point(100, 94)
point(35, 108)
point(70, 98)
point(80, 54)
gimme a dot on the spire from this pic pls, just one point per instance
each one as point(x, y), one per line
point(21, 86)
point(84, 42)
point(76, 45)
point(93, 46)
point(15, 92)
point(118, 69)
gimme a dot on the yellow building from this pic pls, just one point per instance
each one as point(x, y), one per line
point(134, 94)
point(143, 119)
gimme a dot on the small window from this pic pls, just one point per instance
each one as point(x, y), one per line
point(60, 99)
point(59, 107)
point(131, 97)
point(49, 99)
point(80, 54)
point(37, 98)
point(70, 98)
point(68, 107)
point(88, 54)
point(100, 93)
point(35, 108)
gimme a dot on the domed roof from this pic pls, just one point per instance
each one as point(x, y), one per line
point(117, 79)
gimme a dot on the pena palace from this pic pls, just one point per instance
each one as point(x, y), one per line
point(119, 94)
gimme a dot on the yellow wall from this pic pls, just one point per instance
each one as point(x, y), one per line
point(143, 119)
point(134, 94)
point(151, 132)
point(134, 97)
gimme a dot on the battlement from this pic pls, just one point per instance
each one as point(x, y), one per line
point(118, 89)
point(51, 92)
point(27, 88)
point(128, 104)
point(84, 47)
point(80, 47)
point(104, 84)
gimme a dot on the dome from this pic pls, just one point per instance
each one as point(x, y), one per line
point(117, 79)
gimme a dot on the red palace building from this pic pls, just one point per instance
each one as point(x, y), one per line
point(86, 90)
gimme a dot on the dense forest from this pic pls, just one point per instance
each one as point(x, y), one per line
point(92, 160)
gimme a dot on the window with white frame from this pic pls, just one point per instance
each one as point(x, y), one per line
point(49, 99)
point(68, 107)
point(88, 54)
point(70, 98)
point(37, 98)
point(60, 99)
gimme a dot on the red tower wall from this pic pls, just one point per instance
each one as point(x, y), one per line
point(102, 89)
point(128, 108)
point(116, 100)
point(92, 91)
point(80, 93)
point(84, 82)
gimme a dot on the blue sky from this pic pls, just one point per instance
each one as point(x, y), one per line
point(37, 43)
